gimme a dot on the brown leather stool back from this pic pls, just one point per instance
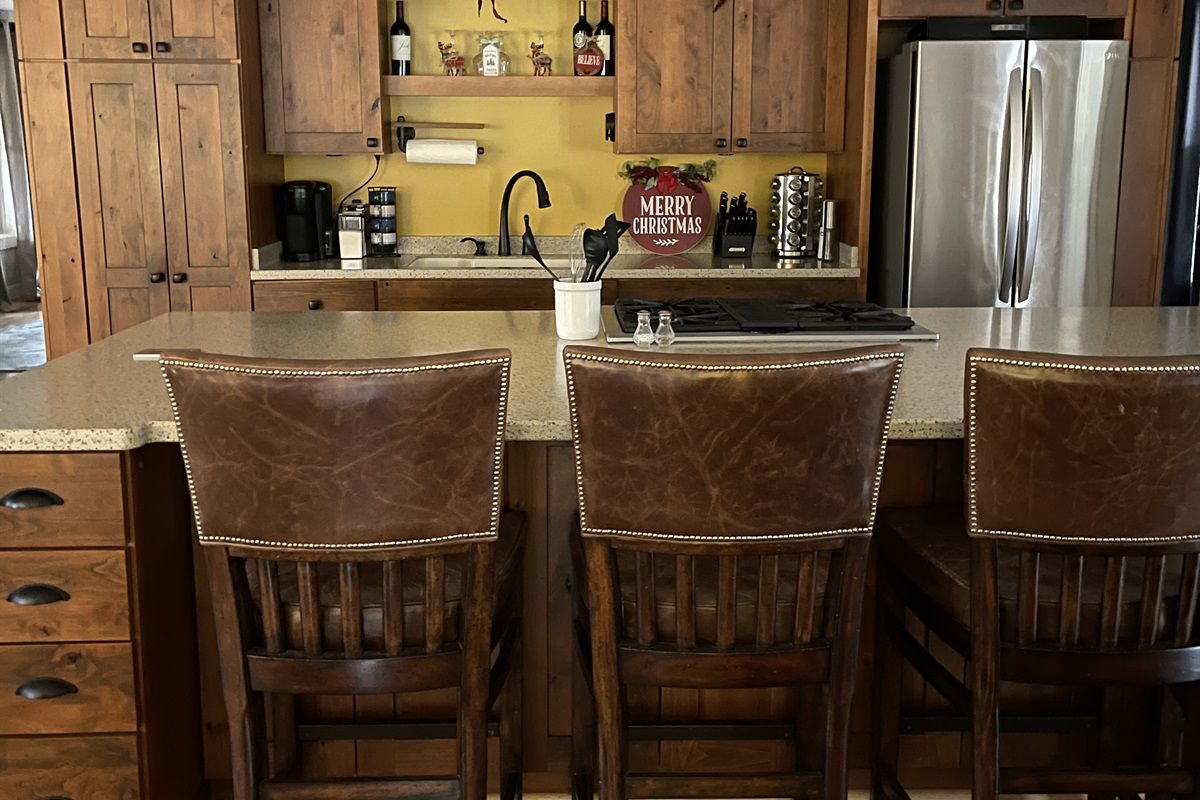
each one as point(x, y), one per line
point(726, 504)
point(1087, 472)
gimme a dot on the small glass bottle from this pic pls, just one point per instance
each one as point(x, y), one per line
point(643, 336)
point(492, 61)
point(665, 335)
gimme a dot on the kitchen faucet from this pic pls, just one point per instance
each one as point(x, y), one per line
point(543, 202)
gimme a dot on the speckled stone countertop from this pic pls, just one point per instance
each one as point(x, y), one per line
point(99, 398)
point(635, 265)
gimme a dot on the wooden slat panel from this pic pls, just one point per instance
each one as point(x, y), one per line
point(310, 607)
point(806, 590)
point(726, 601)
point(768, 579)
point(645, 598)
point(435, 604)
point(351, 595)
point(1027, 598)
point(685, 602)
point(393, 608)
point(1113, 601)
point(1189, 585)
point(1069, 600)
point(268, 589)
point(1152, 592)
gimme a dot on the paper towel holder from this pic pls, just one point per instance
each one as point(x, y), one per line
point(406, 130)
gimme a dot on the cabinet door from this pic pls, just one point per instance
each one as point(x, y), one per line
point(194, 29)
point(674, 77)
point(912, 9)
point(204, 186)
point(789, 75)
point(107, 28)
point(322, 76)
point(120, 194)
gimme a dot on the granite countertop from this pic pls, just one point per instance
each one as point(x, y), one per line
point(99, 398)
point(635, 265)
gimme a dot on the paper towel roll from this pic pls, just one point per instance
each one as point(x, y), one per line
point(443, 151)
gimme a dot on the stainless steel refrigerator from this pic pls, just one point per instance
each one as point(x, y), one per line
point(999, 173)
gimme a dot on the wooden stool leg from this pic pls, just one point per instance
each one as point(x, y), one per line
point(851, 562)
point(889, 665)
point(609, 699)
point(583, 737)
point(473, 695)
point(1189, 701)
point(982, 673)
point(511, 730)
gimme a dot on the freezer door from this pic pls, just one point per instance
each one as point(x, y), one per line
point(965, 201)
point(1075, 119)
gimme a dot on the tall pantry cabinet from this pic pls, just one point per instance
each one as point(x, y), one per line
point(146, 155)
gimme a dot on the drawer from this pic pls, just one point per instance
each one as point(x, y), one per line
point(101, 676)
point(358, 295)
point(63, 595)
point(56, 500)
point(77, 767)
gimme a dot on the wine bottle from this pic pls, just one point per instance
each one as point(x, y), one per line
point(401, 43)
point(606, 37)
point(582, 30)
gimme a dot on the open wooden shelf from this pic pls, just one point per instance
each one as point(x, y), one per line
point(506, 86)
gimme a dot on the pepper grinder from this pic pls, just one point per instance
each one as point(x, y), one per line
point(827, 240)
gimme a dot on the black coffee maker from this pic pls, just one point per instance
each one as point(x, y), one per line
point(306, 222)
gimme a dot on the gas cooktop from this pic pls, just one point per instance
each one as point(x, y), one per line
point(708, 319)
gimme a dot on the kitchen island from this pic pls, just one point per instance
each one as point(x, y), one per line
point(104, 513)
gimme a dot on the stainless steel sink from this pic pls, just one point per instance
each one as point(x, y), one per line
point(561, 265)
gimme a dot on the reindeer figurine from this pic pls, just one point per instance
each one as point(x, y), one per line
point(452, 62)
point(542, 63)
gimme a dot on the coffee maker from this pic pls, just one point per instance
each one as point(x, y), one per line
point(306, 223)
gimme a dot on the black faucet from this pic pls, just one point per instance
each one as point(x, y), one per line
point(543, 202)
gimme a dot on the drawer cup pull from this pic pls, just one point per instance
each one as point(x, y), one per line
point(27, 498)
point(37, 594)
point(46, 688)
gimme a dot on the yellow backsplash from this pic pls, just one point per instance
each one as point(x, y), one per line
point(561, 138)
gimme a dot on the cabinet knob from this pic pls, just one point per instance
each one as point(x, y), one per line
point(994, 5)
point(722, 144)
point(743, 142)
point(179, 277)
point(162, 47)
point(27, 498)
point(1016, 5)
point(157, 277)
point(314, 305)
point(46, 688)
point(372, 142)
point(37, 594)
point(141, 47)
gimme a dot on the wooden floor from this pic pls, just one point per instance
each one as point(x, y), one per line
point(22, 345)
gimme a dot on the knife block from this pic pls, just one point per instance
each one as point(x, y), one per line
point(733, 245)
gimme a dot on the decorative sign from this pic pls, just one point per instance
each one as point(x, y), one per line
point(668, 218)
point(589, 59)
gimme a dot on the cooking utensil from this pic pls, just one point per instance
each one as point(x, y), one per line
point(530, 247)
point(613, 230)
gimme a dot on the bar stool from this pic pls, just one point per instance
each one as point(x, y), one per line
point(1078, 564)
point(349, 514)
point(726, 506)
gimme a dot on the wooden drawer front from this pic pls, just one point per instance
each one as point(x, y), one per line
point(79, 768)
point(468, 294)
point(96, 607)
point(91, 513)
point(314, 296)
point(102, 675)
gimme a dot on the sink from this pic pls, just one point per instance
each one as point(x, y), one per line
point(560, 264)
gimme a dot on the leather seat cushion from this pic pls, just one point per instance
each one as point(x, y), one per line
point(507, 574)
point(930, 548)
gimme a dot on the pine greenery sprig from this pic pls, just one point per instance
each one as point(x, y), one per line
point(651, 172)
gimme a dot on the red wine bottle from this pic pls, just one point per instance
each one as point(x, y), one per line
point(582, 30)
point(401, 38)
point(606, 37)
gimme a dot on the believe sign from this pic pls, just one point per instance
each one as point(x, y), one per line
point(667, 219)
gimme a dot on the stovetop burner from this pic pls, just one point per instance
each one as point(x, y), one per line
point(702, 315)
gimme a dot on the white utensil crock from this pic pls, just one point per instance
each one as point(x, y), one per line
point(577, 309)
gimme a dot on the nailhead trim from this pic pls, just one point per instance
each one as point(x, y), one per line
point(837, 533)
point(973, 528)
point(498, 457)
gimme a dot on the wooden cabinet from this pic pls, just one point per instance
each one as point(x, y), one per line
point(143, 29)
point(914, 9)
point(203, 186)
point(756, 75)
point(346, 295)
point(322, 76)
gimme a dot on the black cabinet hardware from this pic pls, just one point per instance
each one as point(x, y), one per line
point(722, 144)
point(162, 47)
point(743, 142)
point(179, 277)
point(315, 305)
point(141, 47)
point(27, 498)
point(372, 142)
point(37, 594)
point(46, 688)
point(158, 277)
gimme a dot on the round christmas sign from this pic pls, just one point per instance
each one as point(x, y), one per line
point(668, 208)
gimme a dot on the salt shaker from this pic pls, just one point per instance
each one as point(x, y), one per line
point(643, 336)
point(665, 334)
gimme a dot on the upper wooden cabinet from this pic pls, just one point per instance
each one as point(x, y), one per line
point(142, 29)
point(323, 75)
point(754, 76)
point(915, 9)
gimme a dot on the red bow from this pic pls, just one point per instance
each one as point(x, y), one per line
point(667, 179)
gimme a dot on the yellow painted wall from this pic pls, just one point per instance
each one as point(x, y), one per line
point(561, 138)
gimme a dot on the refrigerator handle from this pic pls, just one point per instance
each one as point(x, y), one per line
point(1014, 158)
point(1037, 154)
